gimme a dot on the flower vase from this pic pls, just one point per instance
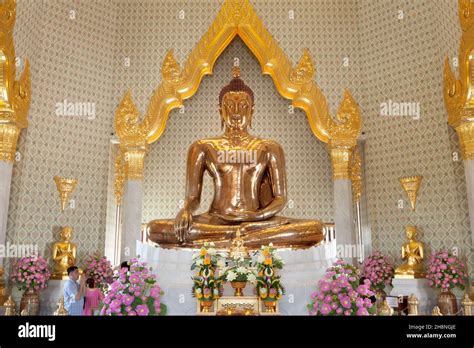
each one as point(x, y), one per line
point(447, 302)
point(206, 306)
point(380, 296)
point(238, 287)
point(270, 306)
point(30, 301)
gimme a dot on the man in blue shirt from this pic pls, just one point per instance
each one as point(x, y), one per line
point(74, 292)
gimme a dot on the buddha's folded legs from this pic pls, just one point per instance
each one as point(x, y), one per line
point(294, 234)
point(281, 231)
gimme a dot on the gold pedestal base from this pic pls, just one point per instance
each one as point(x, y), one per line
point(63, 275)
point(409, 276)
point(59, 276)
point(239, 306)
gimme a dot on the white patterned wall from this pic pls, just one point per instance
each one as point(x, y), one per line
point(402, 60)
point(70, 59)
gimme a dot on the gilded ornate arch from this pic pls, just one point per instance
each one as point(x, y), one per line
point(237, 17)
point(459, 93)
point(14, 94)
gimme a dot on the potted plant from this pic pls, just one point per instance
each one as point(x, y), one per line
point(340, 293)
point(269, 287)
point(446, 271)
point(380, 271)
point(134, 292)
point(31, 274)
point(207, 284)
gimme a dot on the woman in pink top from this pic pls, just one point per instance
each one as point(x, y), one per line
point(93, 297)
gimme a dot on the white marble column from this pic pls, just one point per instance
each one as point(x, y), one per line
point(132, 218)
point(133, 159)
point(346, 242)
point(5, 184)
point(469, 172)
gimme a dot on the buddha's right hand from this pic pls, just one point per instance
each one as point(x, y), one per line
point(182, 224)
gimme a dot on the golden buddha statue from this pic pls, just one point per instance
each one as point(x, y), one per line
point(249, 187)
point(64, 254)
point(413, 252)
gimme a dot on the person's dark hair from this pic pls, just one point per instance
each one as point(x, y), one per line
point(90, 282)
point(125, 265)
point(373, 299)
point(236, 85)
point(71, 269)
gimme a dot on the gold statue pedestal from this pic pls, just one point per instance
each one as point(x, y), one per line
point(59, 276)
point(239, 306)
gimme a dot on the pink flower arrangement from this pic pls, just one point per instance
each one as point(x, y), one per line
point(446, 271)
point(134, 293)
point(341, 294)
point(100, 269)
point(31, 273)
point(379, 270)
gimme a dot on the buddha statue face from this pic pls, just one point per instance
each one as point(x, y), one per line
point(236, 110)
point(65, 234)
point(411, 232)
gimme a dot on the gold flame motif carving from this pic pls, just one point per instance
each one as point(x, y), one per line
point(343, 133)
point(459, 94)
point(236, 17)
point(411, 185)
point(14, 95)
point(65, 188)
point(119, 179)
point(304, 71)
point(356, 176)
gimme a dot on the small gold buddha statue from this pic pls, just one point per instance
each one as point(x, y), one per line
point(64, 254)
point(238, 250)
point(10, 307)
point(385, 309)
point(413, 305)
point(61, 311)
point(249, 187)
point(413, 253)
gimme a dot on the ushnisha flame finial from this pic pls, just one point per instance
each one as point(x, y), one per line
point(235, 71)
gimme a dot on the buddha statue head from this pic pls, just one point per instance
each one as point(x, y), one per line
point(411, 232)
point(65, 234)
point(236, 102)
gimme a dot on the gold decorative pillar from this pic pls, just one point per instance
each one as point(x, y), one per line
point(343, 133)
point(14, 106)
point(459, 99)
point(129, 168)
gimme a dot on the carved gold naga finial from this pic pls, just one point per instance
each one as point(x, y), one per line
point(14, 95)
point(459, 93)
